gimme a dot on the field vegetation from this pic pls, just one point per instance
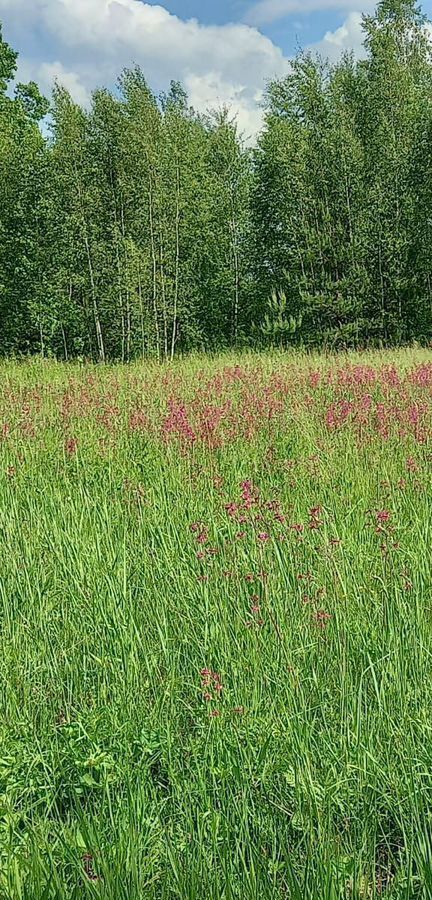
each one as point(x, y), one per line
point(216, 641)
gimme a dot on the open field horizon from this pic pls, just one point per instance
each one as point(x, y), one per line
point(216, 643)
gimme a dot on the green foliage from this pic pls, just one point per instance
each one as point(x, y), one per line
point(279, 326)
point(35, 105)
point(336, 201)
point(141, 228)
point(22, 184)
point(8, 62)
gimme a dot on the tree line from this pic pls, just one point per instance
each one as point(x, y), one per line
point(139, 227)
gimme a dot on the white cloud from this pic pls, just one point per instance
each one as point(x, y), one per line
point(211, 92)
point(86, 43)
point(95, 39)
point(266, 11)
point(348, 36)
point(48, 73)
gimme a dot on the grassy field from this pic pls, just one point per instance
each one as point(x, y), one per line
point(216, 629)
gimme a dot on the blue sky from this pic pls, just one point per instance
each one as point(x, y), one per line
point(287, 31)
point(224, 51)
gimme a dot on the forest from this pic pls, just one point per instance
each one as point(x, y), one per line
point(141, 228)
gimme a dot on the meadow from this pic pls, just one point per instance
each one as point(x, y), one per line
point(216, 628)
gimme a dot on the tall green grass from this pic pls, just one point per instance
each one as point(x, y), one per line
point(309, 775)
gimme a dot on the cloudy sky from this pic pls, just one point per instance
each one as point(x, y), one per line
point(222, 50)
